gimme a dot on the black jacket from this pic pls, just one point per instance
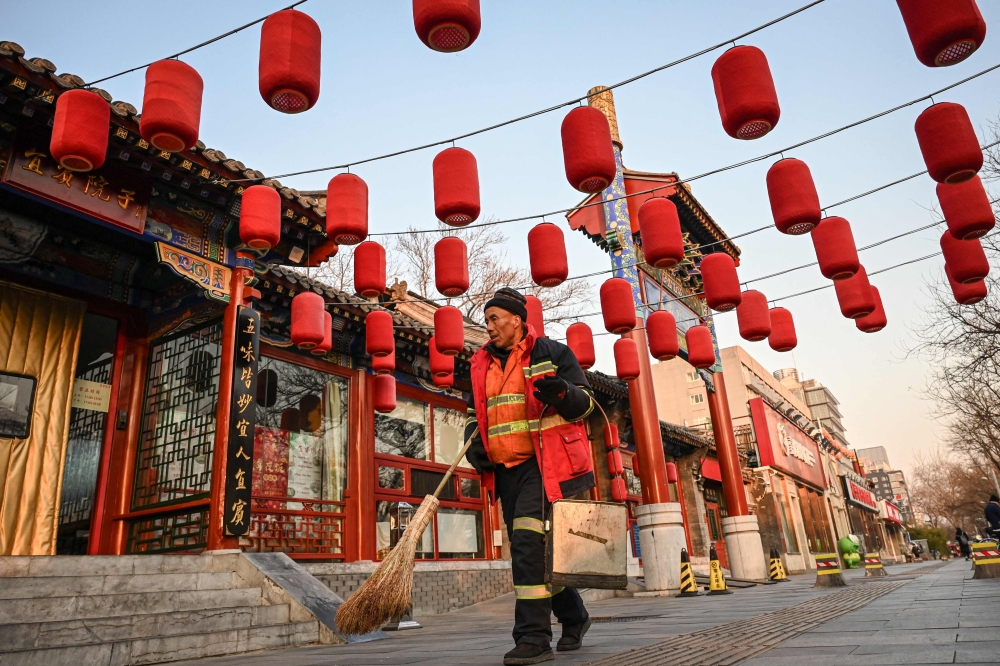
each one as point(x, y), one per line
point(992, 512)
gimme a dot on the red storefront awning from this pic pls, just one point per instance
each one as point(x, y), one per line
point(710, 470)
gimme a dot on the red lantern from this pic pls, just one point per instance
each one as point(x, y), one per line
point(876, 320)
point(369, 269)
point(721, 283)
point(672, 476)
point(966, 207)
point(661, 330)
point(580, 340)
point(794, 201)
point(307, 320)
point(456, 187)
point(615, 466)
point(289, 61)
point(635, 466)
point(753, 317)
point(260, 217)
point(447, 25)
point(611, 440)
point(835, 249)
point(966, 294)
point(535, 317)
point(347, 209)
point(964, 258)
point(855, 295)
point(322, 253)
point(379, 338)
point(324, 347)
point(451, 266)
point(662, 239)
point(444, 381)
point(80, 130)
point(619, 492)
point(701, 351)
point(782, 338)
point(617, 306)
point(547, 255)
point(384, 364)
point(384, 393)
point(449, 330)
point(948, 143)
point(626, 359)
point(745, 92)
point(943, 33)
point(441, 365)
point(588, 154)
point(171, 106)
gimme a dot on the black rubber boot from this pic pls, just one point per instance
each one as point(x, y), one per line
point(572, 636)
point(528, 653)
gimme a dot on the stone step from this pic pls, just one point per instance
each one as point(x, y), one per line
point(169, 648)
point(109, 565)
point(19, 611)
point(39, 587)
point(64, 634)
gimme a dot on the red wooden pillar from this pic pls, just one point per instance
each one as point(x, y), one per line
point(646, 424)
point(217, 540)
point(725, 444)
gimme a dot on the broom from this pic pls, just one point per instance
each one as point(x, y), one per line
point(386, 594)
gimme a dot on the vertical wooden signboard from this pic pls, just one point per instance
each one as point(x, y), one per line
point(242, 422)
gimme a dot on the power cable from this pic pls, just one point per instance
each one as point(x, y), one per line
point(193, 48)
point(730, 167)
point(544, 111)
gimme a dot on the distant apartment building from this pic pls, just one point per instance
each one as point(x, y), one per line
point(874, 458)
point(822, 404)
point(889, 484)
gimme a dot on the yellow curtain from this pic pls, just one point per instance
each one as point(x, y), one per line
point(39, 337)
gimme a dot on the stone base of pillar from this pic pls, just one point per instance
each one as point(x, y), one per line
point(661, 538)
point(744, 548)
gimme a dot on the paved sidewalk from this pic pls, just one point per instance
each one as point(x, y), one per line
point(937, 617)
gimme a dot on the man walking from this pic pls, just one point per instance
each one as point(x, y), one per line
point(992, 512)
point(529, 396)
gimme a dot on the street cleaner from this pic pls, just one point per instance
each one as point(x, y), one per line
point(529, 399)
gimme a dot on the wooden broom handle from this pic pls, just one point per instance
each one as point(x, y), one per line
point(458, 459)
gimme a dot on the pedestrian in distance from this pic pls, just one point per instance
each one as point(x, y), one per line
point(992, 512)
point(529, 399)
point(964, 545)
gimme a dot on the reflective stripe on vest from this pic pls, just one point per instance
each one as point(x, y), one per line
point(540, 369)
point(508, 428)
point(504, 399)
point(530, 524)
point(532, 591)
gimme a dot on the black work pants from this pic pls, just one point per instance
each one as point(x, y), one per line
point(521, 493)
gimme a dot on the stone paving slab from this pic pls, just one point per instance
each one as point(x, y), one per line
point(938, 616)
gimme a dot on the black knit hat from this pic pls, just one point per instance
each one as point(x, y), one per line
point(511, 301)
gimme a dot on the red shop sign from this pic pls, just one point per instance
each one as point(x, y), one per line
point(784, 446)
point(860, 495)
point(891, 513)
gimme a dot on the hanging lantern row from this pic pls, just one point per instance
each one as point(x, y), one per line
point(80, 130)
point(547, 255)
point(449, 330)
point(662, 238)
point(752, 316)
point(447, 25)
point(721, 283)
point(617, 306)
point(384, 393)
point(588, 154)
point(626, 359)
point(441, 364)
point(966, 208)
point(782, 337)
point(854, 295)
point(451, 266)
point(948, 143)
point(835, 249)
point(290, 54)
point(384, 364)
point(580, 339)
point(943, 33)
point(661, 331)
point(875, 321)
point(379, 337)
point(308, 322)
point(966, 294)
point(327, 344)
point(744, 90)
point(965, 259)
point(701, 351)
point(369, 269)
point(793, 197)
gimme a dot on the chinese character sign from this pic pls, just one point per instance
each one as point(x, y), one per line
point(242, 423)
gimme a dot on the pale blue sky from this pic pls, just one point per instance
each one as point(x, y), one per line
point(383, 90)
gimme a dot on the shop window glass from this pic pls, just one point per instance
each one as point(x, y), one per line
point(87, 425)
point(786, 523)
point(300, 449)
point(404, 431)
point(174, 456)
point(632, 482)
point(460, 533)
point(424, 482)
point(471, 488)
point(449, 435)
point(387, 530)
point(391, 478)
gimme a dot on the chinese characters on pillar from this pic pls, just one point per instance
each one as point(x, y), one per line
point(242, 422)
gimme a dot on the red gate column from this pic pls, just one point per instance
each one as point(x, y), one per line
point(646, 425)
point(217, 540)
point(739, 527)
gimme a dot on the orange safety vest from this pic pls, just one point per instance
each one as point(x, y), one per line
point(507, 435)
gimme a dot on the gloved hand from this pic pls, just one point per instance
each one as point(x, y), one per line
point(551, 390)
point(476, 455)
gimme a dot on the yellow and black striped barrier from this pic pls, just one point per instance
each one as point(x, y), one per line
point(775, 568)
point(986, 560)
point(873, 566)
point(689, 587)
point(828, 571)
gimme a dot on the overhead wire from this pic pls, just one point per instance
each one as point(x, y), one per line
point(195, 47)
point(546, 110)
point(730, 167)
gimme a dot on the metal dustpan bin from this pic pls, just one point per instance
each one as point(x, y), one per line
point(587, 545)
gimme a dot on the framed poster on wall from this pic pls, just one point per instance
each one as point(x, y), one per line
point(17, 402)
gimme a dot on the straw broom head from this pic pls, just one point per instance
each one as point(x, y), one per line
point(386, 594)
